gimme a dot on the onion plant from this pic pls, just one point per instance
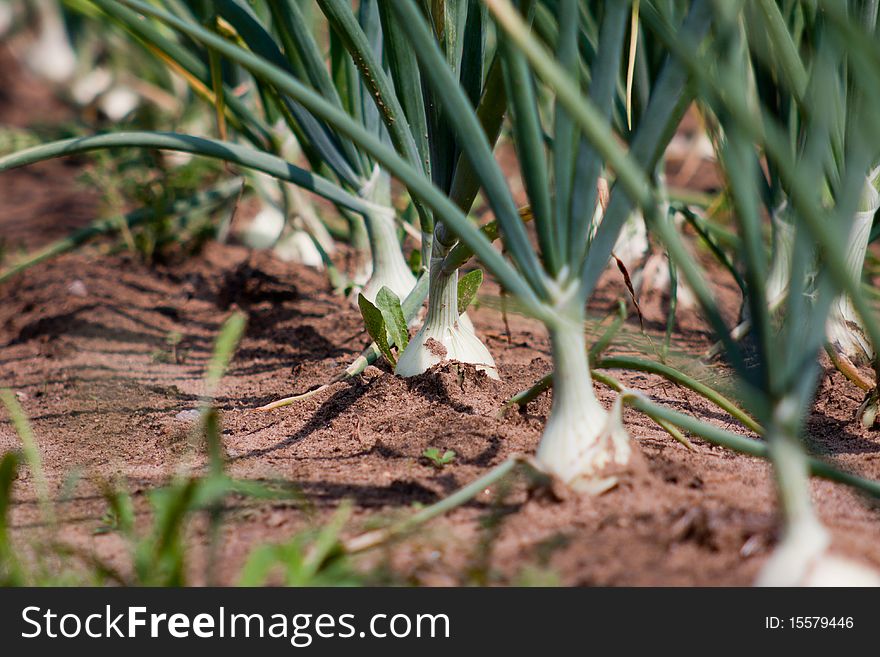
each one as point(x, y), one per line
point(582, 442)
point(644, 57)
point(779, 32)
point(821, 169)
point(419, 126)
point(460, 30)
point(279, 34)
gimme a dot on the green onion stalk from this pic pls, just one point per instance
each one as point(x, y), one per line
point(444, 335)
point(802, 557)
point(583, 445)
point(389, 269)
point(365, 87)
point(460, 32)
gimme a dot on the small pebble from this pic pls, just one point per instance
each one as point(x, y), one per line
point(752, 546)
point(78, 289)
point(190, 415)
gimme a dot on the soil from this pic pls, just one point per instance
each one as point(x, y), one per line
point(84, 343)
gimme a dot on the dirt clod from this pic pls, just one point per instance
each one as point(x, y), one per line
point(436, 347)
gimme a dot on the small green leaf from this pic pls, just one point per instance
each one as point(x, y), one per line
point(437, 459)
point(395, 323)
point(468, 286)
point(375, 325)
point(259, 565)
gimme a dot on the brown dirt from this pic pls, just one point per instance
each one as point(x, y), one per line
point(44, 202)
point(92, 367)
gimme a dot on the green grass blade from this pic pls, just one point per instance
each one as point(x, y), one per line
point(224, 349)
point(31, 452)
